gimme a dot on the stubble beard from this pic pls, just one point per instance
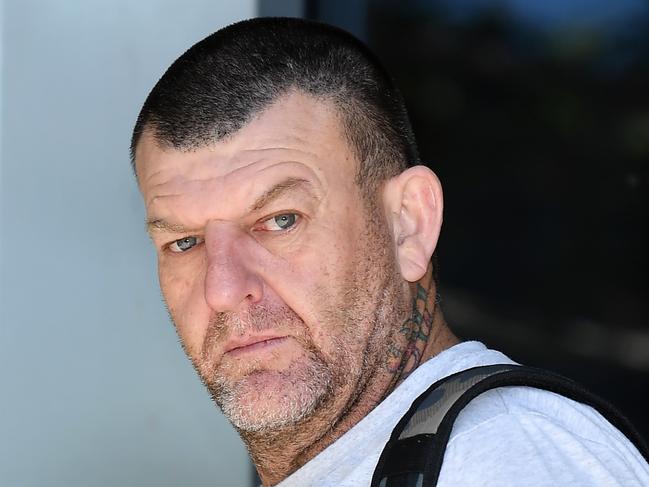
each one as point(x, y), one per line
point(260, 398)
point(252, 406)
point(267, 400)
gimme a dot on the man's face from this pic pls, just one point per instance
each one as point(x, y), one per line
point(281, 283)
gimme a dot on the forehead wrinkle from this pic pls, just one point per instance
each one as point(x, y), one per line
point(178, 183)
point(204, 173)
point(203, 167)
point(306, 179)
point(279, 147)
point(279, 189)
point(285, 142)
point(285, 155)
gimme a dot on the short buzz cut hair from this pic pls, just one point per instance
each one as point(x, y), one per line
point(218, 85)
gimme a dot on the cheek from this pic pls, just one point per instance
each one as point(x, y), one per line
point(322, 281)
point(175, 286)
point(183, 293)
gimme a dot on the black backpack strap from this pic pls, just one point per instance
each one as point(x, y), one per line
point(414, 454)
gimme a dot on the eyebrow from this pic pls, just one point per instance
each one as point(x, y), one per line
point(165, 226)
point(270, 195)
point(279, 189)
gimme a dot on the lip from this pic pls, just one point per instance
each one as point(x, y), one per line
point(252, 344)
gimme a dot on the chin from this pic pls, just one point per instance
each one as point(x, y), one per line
point(266, 400)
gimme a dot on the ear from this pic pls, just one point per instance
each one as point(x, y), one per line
point(414, 203)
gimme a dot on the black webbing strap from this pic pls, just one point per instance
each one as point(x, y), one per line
point(414, 454)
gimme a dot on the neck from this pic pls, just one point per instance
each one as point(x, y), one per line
point(421, 336)
point(424, 334)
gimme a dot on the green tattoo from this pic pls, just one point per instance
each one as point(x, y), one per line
point(406, 356)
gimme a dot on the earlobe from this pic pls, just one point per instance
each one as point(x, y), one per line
point(414, 201)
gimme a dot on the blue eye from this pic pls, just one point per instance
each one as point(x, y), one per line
point(277, 223)
point(184, 244)
point(285, 221)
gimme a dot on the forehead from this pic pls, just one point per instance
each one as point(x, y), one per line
point(298, 135)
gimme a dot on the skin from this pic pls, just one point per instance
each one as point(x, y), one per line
point(301, 304)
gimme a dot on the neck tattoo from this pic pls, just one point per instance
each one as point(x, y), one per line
point(406, 353)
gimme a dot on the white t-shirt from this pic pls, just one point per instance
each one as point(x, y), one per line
point(514, 436)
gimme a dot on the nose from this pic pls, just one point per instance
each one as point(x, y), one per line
point(230, 279)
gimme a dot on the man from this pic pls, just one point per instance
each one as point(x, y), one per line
point(295, 229)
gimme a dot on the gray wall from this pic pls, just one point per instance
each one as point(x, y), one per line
point(95, 390)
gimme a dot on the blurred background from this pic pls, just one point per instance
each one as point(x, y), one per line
point(535, 115)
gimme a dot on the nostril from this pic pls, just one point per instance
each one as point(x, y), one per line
point(227, 286)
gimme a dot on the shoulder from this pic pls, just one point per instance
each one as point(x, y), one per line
point(527, 436)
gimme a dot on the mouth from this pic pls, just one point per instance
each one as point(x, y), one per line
point(253, 345)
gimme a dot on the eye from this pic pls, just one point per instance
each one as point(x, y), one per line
point(280, 222)
point(184, 244)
